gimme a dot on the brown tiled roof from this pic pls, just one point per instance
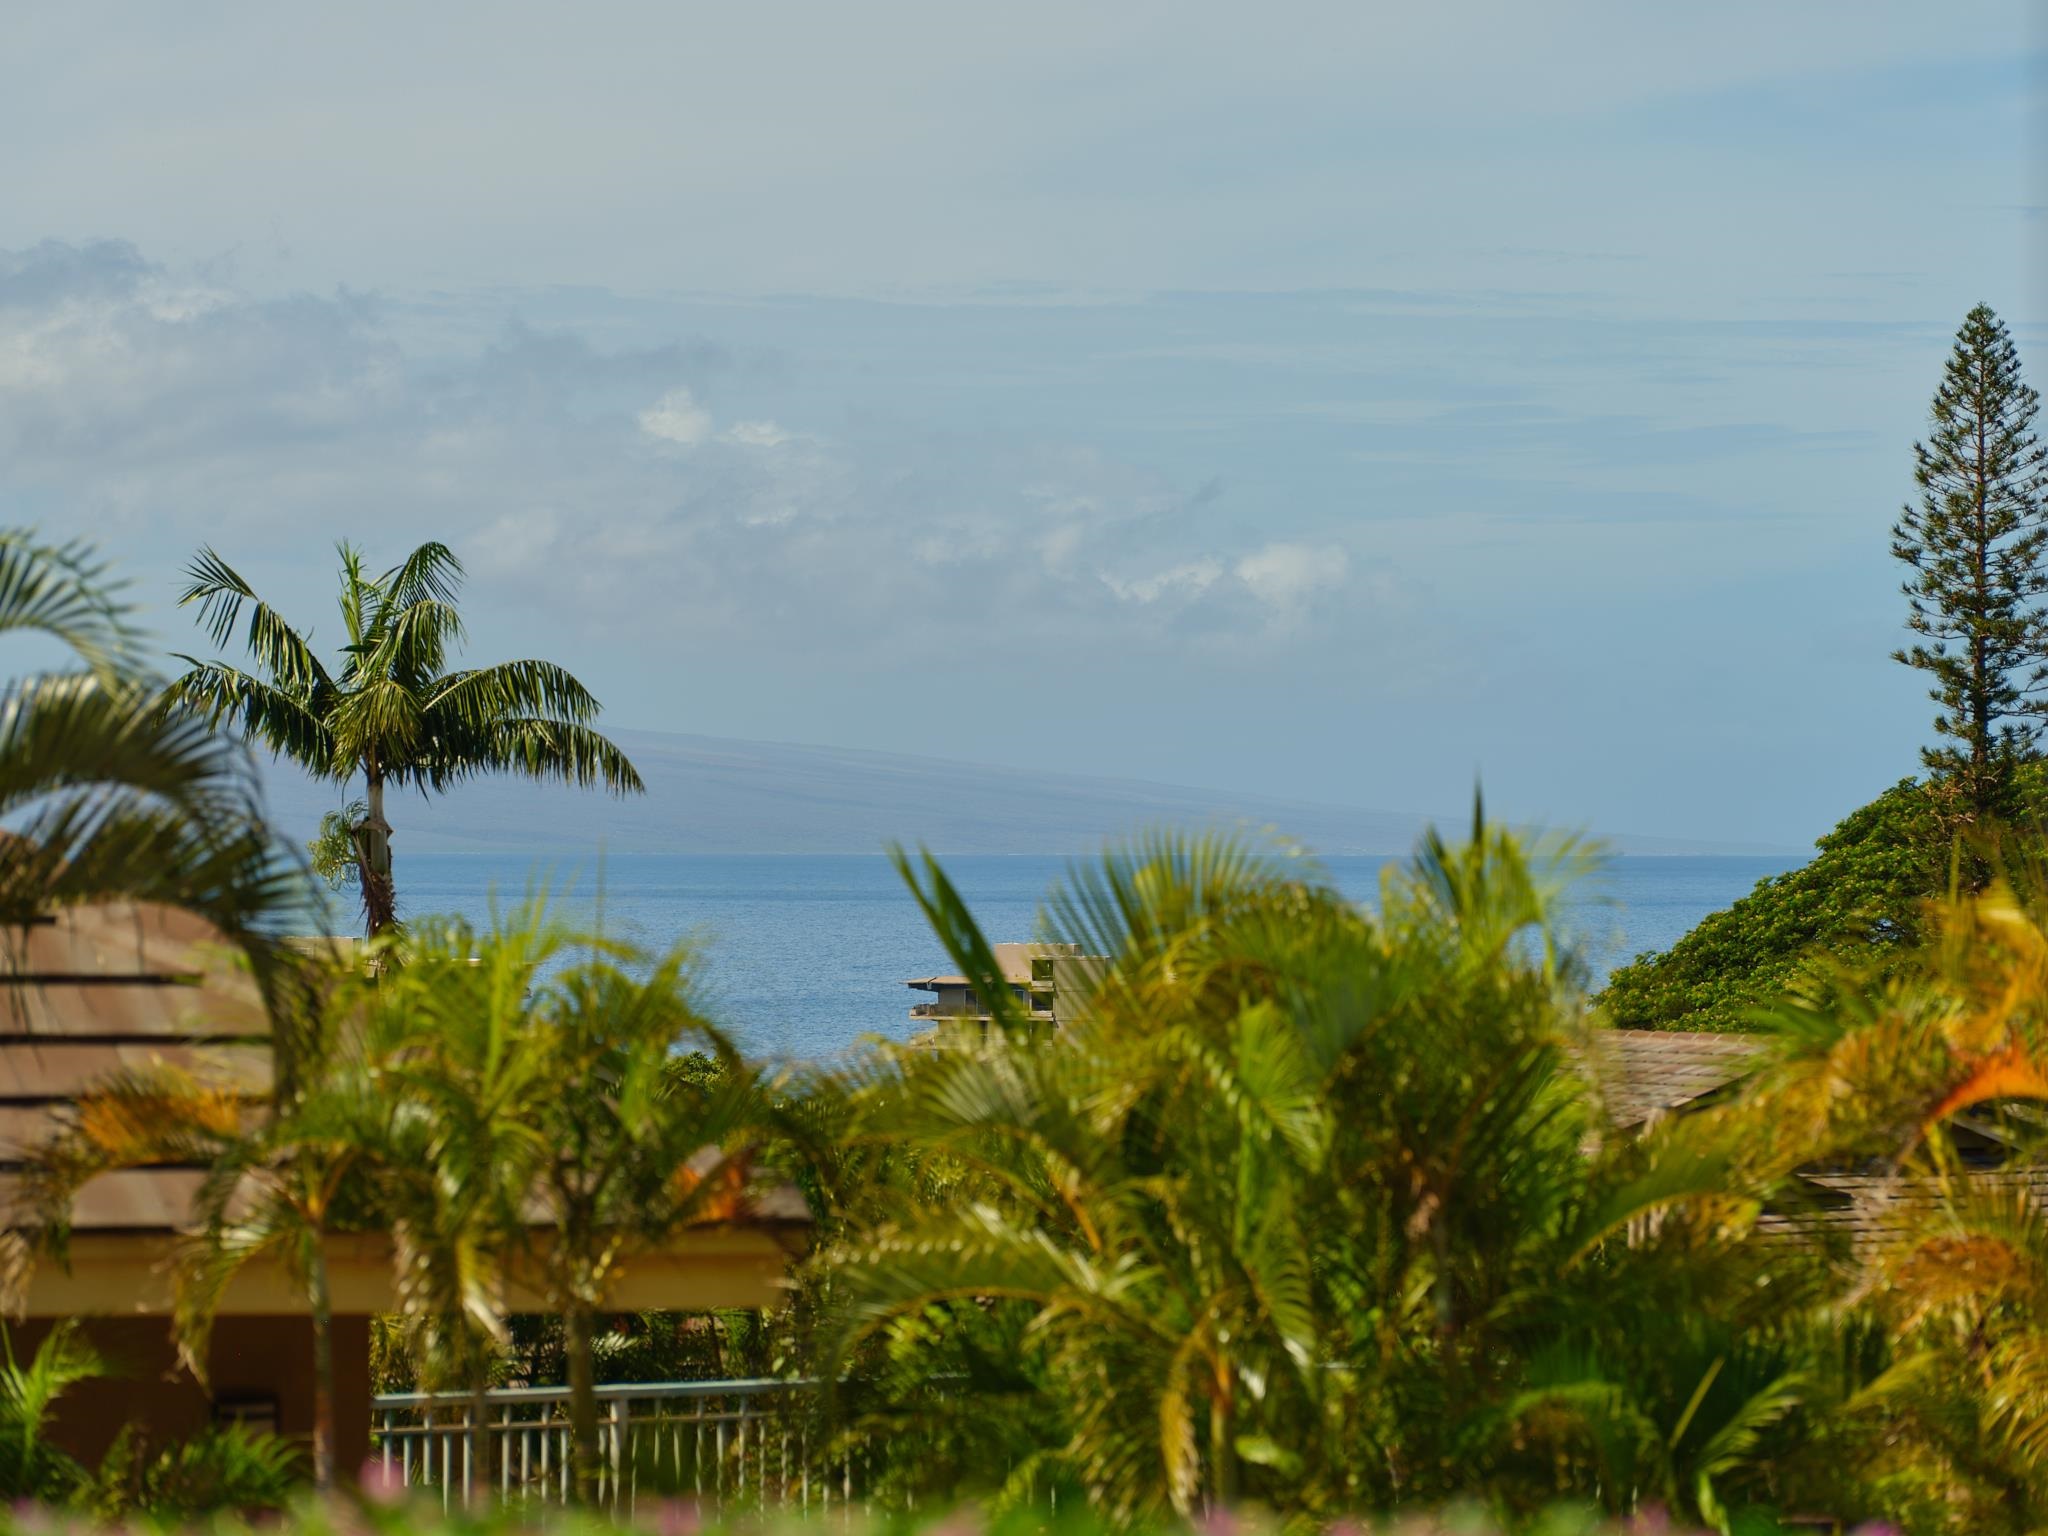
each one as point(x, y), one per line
point(1645, 1072)
point(91, 990)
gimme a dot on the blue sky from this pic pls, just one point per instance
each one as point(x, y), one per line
point(1330, 401)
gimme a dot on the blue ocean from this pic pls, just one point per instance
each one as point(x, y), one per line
point(802, 955)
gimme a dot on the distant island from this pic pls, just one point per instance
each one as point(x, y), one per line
point(717, 795)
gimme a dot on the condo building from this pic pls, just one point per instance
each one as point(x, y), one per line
point(1037, 975)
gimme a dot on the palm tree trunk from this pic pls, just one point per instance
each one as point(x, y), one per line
point(320, 1303)
point(578, 1324)
point(373, 859)
point(479, 1427)
point(1222, 1452)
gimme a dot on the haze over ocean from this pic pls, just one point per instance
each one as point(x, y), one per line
point(804, 953)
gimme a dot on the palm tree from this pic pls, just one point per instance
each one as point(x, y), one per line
point(102, 798)
point(543, 1132)
point(469, 1073)
point(391, 710)
point(639, 1149)
point(1307, 1205)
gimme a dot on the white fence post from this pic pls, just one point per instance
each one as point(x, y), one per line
point(723, 1423)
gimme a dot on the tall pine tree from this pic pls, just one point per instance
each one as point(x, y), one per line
point(1977, 543)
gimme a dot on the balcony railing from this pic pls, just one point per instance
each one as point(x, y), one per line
point(1038, 1009)
point(723, 1443)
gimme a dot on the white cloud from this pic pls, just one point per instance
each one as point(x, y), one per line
point(154, 414)
point(1189, 579)
point(757, 434)
point(677, 418)
point(1286, 576)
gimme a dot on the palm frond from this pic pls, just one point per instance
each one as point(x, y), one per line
point(409, 646)
point(278, 648)
point(431, 574)
point(977, 1252)
point(1125, 905)
point(110, 799)
point(31, 1464)
point(530, 747)
point(538, 689)
point(70, 732)
point(61, 591)
point(289, 723)
point(356, 598)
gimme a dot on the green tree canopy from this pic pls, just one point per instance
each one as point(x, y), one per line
point(1864, 895)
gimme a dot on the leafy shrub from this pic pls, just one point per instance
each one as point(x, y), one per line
point(31, 1467)
point(1863, 897)
point(226, 1467)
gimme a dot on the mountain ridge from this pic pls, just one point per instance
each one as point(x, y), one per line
point(727, 795)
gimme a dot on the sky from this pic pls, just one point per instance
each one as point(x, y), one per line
point(1347, 402)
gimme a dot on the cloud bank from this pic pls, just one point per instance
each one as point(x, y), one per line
point(636, 490)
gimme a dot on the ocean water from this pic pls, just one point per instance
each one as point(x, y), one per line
point(802, 955)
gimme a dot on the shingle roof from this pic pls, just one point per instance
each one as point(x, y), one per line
point(1872, 1209)
point(89, 990)
point(1644, 1072)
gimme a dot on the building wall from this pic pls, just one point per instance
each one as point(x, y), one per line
point(251, 1357)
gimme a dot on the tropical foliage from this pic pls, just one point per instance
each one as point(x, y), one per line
point(511, 1106)
point(390, 710)
point(1308, 1207)
point(547, 1126)
point(228, 1467)
point(31, 1464)
point(101, 798)
point(1314, 1207)
point(1932, 1080)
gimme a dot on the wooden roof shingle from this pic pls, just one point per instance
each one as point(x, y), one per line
point(1642, 1073)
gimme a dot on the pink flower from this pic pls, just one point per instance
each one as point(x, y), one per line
point(382, 1485)
point(960, 1522)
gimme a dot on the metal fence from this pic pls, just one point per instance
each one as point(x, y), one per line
point(725, 1443)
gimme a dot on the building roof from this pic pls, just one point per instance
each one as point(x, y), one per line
point(88, 991)
point(1876, 1209)
point(91, 990)
point(1642, 1073)
point(1012, 960)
